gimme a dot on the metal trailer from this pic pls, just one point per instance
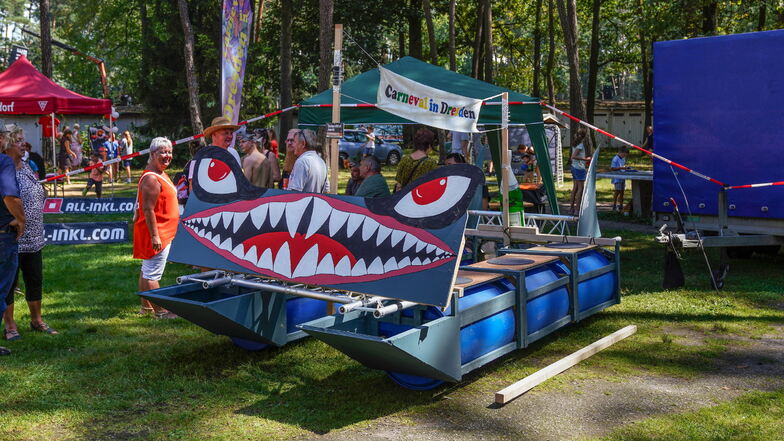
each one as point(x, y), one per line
point(717, 109)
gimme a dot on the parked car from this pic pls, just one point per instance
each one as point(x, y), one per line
point(352, 146)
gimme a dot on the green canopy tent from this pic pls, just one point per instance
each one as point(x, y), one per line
point(362, 89)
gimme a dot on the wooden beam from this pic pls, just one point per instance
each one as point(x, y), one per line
point(333, 143)
point(496, 232)
point(515, 390)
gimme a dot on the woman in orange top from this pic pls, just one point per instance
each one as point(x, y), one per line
point(155, 222)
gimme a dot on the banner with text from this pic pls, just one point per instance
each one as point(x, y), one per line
point(237, 20)
point(89, 205)
point(87, 232)
point(417, 102)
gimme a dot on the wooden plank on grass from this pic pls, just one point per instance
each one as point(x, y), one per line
point(515, 390)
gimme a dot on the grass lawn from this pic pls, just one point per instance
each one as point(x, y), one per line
point(114, 375)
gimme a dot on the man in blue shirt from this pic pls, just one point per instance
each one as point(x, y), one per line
point(12, 223)
point(618, 164)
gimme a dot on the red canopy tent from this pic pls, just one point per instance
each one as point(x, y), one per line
point(25, 91)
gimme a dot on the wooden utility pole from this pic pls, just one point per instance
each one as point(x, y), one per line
point(46, 38)
point(336, 79)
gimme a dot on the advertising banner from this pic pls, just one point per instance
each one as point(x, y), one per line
point(89, 205)
point(417, 102)
point(237, 20)
point(87, 232)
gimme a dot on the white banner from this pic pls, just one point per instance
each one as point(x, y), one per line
point(426, 105)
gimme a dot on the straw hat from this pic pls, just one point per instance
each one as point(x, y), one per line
point(219, 123)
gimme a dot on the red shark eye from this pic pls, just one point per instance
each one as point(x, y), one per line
point(433, 197)
point(429, 192)
point(216, 177)
point(218, 170)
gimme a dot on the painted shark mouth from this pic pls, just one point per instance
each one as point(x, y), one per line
point(337, 243)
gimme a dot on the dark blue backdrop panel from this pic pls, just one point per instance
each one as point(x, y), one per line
point(719, 109)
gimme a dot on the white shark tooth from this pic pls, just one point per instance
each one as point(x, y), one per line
point(343, 268)
point(404, 262)
point(250, 256)
point(368, 228)
point(326, 266)
point(258, 215)
point(202, 220)
point(410, 241)
point(226, 245)
point(282, 263)
point(383, 233)
point(208, 235)
point(359, 268)
point(430, 248)
point(239, 251)
point(307, 264)
point(294, 212)
point(239, 218)
point(200, 232)
point(426, 261)
point(416, 261)
point(216, 240)
point(376, 267)
point(227, 217)
point(354, 221)
point(265, 261)
point(390, 266)
point(320, 214)
point(397, 235)
point(276, 210)
point(214, 219)
point(420, 245)
point(336, 220)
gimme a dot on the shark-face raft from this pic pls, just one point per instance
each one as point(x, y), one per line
point(404, 246)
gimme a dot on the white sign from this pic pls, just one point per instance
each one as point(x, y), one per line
point(426, 105)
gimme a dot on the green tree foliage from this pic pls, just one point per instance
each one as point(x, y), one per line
point(148, 65)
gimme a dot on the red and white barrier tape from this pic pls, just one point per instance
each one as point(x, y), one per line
point(647, 152)
point(511, 103)
point(146, 151)
point(765, 184)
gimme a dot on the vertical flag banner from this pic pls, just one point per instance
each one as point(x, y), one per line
point(237, 20)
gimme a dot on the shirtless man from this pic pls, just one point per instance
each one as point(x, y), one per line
point(255, 164)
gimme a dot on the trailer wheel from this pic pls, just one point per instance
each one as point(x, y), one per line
point(740, 252)
point(769, 250)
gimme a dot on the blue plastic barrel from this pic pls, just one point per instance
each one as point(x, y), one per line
point(492, 332)
point(298, 310)
point(595, 290)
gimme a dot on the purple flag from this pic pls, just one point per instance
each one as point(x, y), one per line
point(237, 19)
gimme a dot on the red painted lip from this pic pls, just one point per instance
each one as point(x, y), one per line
point(316, 258)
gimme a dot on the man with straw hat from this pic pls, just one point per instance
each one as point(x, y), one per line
point(221, 133)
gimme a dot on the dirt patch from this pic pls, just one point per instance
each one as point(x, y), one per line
point(587, 408)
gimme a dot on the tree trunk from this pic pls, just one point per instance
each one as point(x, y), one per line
point(709, 16)
point(431, 32)
point(593, 62)
point(46, 38)
point(476, 61)
point(415, 29)
point(190, 70)
point(647, 87)
point(401, 43)
point(568, 15)
point(550, 52)
point(452, 59)
point(537, 48)
point(146, 32)
point(326, 26)
point(762, 17)
point(488, 41)
point(286, 10)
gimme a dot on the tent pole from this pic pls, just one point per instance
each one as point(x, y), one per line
point(111, 140)
point(505, 165)
point(54, 156)
point(336, 79)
